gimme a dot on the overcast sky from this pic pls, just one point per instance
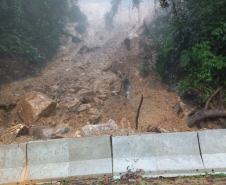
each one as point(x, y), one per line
point(123, 1)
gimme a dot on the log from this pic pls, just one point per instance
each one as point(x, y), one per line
point(214, 113)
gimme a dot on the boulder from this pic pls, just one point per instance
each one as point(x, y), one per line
point(100, 128)
point(35, 105)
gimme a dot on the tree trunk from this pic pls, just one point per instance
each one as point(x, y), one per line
point(214, 113)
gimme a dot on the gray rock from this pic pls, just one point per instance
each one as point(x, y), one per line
point(57, 89)
point(65, 130)
point(43, 132)
point(100, 128)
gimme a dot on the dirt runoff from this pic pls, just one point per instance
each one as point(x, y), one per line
point(195, 180)
point(100, 71)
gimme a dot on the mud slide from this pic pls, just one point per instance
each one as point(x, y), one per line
point(106, 74)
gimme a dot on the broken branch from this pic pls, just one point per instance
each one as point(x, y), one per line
point(138, 112)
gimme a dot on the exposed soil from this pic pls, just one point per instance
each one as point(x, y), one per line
point(204, 180)
point(97, 71)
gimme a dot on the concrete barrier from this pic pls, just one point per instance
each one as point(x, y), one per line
point(68, 159)
point(178, 154)
point(134, 152)
point(90, 157)
point(12, 164)
point(168, 155)
point(213, 149)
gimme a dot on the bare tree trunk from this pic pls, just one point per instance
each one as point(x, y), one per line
point(214, 113)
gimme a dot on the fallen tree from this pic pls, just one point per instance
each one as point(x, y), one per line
point(213, 113)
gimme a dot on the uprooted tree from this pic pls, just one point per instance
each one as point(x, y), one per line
point(203, 114)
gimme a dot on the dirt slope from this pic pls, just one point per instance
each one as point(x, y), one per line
point(98, 71)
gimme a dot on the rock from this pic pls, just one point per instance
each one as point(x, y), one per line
point(84, 107)
point(114, 93)
point(35, 105)
point(75, 89)
point(70, 103)
point(209, 126)
point(93, 111)
point(13, 132)
point(123, 177)
point(98, 101)
point(86, 92)
point(158, 130)
point(103, 97)
point(77, 133)
point(95, 129)
point(71, 90)
point(79, 136)
point(56, 89)
point(125, 123)
point(43, 133)
point(65, 130)
point(93, 119)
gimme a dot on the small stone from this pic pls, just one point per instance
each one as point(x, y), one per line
point(209, 126)
point(84, 107)
point(103, 97)
point(65, 130)
point(79, 136)
point(98, 101)
point(114, 93)
point(123, 177)
point(57, 89)
point(43, 132)
point(93, 111)
point(52, 123)
point(77, 133)
point(71, 91)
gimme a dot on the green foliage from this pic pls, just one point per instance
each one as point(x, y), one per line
point(30, 29)
point(76, 15)
point(191, 36)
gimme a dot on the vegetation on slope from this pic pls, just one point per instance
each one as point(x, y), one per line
point(191, 38)
point(30, 29)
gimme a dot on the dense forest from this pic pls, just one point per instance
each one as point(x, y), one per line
point(191, 40)
point(30, 29)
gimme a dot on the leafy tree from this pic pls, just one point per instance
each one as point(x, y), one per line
point(191, 36)
point(31, 29)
